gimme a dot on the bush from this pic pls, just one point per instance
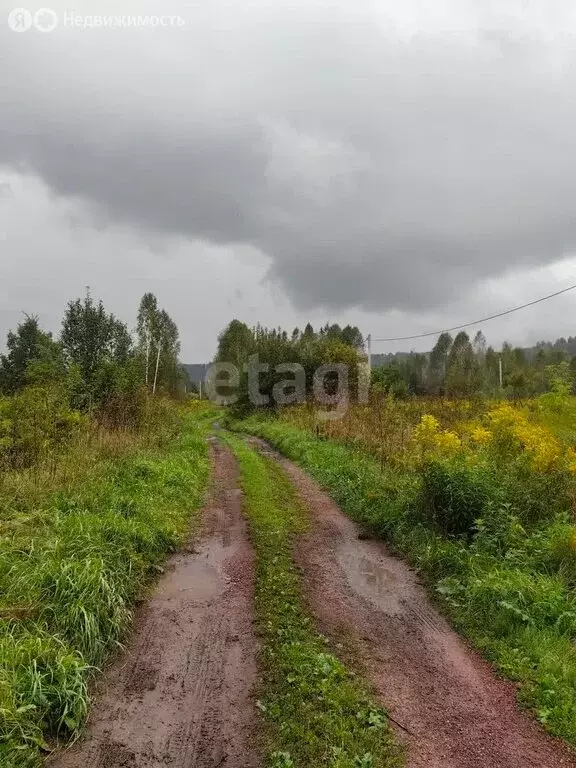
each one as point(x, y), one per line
point(454, 494)
point(537, 496)
point(34, 423)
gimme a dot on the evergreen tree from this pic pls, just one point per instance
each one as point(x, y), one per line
point(309, 331)
point(462, 368)
point(439, 362)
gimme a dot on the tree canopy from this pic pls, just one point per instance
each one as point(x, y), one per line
point(95, 363)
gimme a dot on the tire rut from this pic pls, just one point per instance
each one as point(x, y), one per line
point(453, 711)
point(181, 695)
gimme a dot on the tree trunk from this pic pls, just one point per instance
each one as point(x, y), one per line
point(157, 366)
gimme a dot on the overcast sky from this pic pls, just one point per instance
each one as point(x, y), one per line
point(400, 166)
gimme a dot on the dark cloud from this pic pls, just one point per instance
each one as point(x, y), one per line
point(379, 161)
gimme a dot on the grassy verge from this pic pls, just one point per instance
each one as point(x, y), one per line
point(319, 714)
point(72, 565)
point(510, 589)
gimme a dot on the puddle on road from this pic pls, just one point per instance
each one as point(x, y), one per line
point(376, 575)
point(373, 577)
point(389, 584)
point(193, 575)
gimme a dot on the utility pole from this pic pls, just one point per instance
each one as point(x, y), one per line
point(500, 369)
point(369, 351)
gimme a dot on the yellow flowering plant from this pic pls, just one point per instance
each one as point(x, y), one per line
point(480, 435)
point(429, 440)
point(515, 435)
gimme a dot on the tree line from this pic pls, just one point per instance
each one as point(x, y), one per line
point(456, 366)
point(276, 347)
point(461, 367)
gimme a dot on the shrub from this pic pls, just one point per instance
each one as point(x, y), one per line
point(34, 423)
point(454, 494)
point(536, 495)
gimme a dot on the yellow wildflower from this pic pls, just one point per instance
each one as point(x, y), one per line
point(429, 439)
point(504, 415)
point(428, 425)
point(481, 435)
point(448, 442)
point(571, 460)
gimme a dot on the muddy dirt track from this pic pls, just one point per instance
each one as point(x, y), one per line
point(181, 695)
point(453, 711)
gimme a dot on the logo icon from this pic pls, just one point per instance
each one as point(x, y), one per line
point(20, 20)
point(45, 20)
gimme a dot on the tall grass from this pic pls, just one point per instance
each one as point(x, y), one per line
point(383, 427)
point(80, 540)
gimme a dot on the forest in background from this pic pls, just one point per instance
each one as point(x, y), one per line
point(455, 367)
point(462, 367)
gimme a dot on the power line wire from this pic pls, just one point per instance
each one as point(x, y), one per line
point(482, 320)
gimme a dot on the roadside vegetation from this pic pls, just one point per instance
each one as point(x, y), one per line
point(479, 496)
point(318, 712)
point(79, 544)
point(100, 473)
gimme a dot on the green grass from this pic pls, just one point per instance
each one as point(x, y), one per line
point(318, 712)
point(72, 565)
point(509, 588)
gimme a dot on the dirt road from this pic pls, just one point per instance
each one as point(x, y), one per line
point(453, 710)
point(181, 695)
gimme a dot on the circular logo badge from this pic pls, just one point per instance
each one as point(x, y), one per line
point(45, 20)
point(20, 20)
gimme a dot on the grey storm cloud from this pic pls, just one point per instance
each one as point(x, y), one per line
point(379, 163)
